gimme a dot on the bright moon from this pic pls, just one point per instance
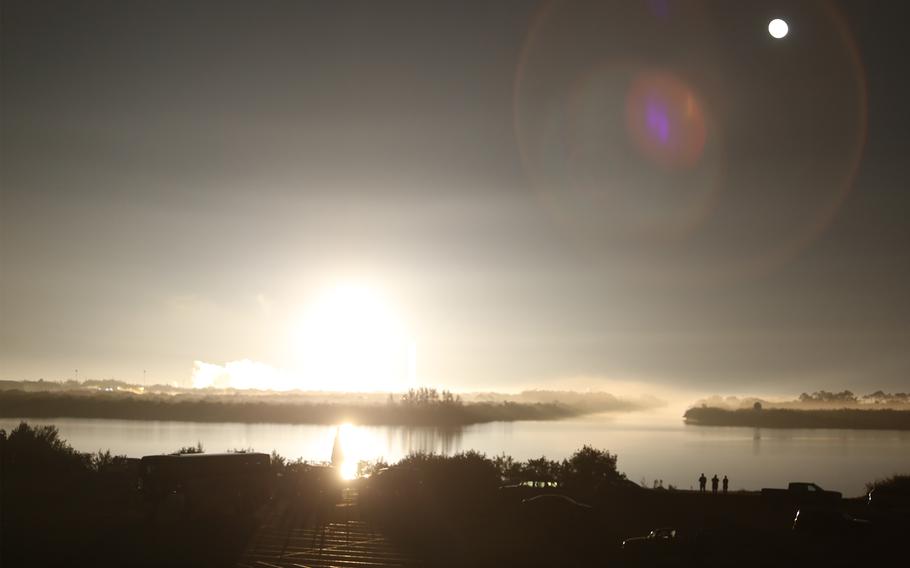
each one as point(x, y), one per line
point(778, 28)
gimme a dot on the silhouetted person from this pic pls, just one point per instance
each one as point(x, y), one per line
point(714, 481)
point(726, 484)
point(701, 483)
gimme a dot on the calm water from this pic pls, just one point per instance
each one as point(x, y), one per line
point(650, 446)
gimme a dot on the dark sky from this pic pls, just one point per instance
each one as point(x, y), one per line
point(543, 194)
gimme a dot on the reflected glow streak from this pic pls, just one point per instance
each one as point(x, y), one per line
point(355, 447)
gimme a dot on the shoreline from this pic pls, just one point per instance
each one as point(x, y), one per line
point(47, 405)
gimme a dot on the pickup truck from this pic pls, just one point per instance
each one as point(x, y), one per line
point(801, 493)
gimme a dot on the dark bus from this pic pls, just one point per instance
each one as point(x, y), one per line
point(236, 483)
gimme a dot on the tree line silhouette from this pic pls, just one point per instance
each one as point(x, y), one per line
point(418, 407)
point(849, 418)
point(428, 396)
point(847, 397)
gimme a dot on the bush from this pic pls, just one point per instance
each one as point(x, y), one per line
point(197, 449)
point(39, 450)
point(447, 477)
point(105, 461)
point(897, 482)
point(541, 469)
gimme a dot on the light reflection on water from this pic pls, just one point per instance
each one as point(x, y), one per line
point(370, 443)
point(649, 446)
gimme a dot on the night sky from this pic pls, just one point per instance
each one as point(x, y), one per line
point(554, 194)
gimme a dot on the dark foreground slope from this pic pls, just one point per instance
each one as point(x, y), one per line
point(61, 508)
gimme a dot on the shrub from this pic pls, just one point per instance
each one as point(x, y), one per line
point(901, 482)
point(39, 450)
point(104, 461)
point(197, 449)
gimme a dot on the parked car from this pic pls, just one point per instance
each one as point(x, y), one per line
point(517, 492)
point(887, 499)
point(827, 523)
point(661, 547)
point(554, 508)
point(658, 539)
point(888, 507)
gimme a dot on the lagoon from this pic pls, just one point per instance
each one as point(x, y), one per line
point(650, 445)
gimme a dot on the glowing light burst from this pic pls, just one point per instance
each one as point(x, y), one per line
point(352, 446)
point(350, 339)
point(778, 28)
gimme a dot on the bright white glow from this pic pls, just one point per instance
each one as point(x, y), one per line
point(242, 374)
point(351, 340)
point(778, 28)
point(355, 446)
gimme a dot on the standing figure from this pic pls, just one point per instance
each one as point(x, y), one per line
point(701, 483)
point(714, 481)
point(726, 484)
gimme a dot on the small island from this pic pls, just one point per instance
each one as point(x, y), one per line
point(847, 418)
point(418, 407)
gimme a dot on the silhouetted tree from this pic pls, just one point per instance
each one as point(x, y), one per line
point(880, 397)
point(541, 469)
point(105, 461)
point(40, 450)
point(508, 468)
point(828, 397)
point(464, 480)
point(426, 396)
point(590, 470)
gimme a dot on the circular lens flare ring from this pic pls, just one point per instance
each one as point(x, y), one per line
point(542, 41)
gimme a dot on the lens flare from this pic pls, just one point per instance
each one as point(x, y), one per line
point(665, 120)
point(657, 158)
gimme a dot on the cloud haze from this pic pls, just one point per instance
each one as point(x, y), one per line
point(178, 188)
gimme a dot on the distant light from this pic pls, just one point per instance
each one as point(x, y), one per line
point(778, 28)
